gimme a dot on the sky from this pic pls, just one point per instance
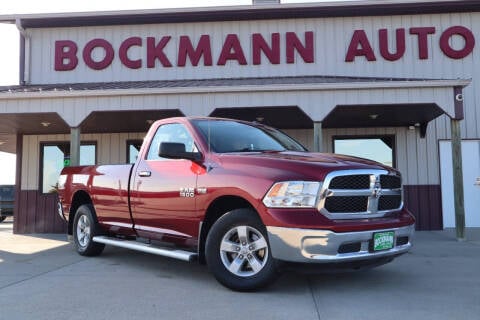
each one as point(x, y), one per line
point(10, 50)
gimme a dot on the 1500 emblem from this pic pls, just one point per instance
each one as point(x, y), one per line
point(187, 192)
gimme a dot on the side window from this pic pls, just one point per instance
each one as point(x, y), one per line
point(377, 148)
point(173, 132)
point(133, 148)
point(54, 156)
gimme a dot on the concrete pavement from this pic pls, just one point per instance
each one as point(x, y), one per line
point(42, 277)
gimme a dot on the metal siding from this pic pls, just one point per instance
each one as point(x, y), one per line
point(416, 158)
point(304, 136)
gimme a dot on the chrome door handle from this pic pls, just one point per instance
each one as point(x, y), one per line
point(144, 174)
point(477, 182)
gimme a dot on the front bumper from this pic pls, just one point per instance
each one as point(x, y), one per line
point(324, 246)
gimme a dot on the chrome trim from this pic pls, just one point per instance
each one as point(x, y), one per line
point(373, 193)
point(161, 230)
point(148, 248)
point(321, 246)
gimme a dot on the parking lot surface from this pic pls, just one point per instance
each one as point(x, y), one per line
point(42, 277)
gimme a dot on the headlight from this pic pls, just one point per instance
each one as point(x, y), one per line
point(292, 194)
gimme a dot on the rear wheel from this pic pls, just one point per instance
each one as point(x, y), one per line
point(238, 253)
point(85, 228)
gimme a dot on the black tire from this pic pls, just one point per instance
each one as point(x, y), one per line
point(2, 218)
point(85, 228)
point(245, 250)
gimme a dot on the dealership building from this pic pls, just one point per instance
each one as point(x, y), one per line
point(394, 81)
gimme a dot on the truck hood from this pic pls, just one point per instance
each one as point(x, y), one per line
point(296, 165)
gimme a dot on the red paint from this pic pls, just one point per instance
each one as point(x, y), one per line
point(123, 53)
point(65, 55)
point(105, 61)
point(463, 32)
point(155, 51)
point(260, 45)
point(186, 49)
point(232, 50)
point(360, 47)
point(422, 35)
point(305, 51)
point(153, 207)
point(400, 44)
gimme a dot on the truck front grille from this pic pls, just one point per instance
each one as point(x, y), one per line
point(351, 194)
point(351, 182)
point(389, 202)
point(346, 204)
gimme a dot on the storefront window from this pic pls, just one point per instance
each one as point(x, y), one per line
point(133, 148)
point(55, 156)
point(378, 148)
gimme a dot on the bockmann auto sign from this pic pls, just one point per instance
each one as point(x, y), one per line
point(273, 48)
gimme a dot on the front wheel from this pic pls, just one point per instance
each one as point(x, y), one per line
point(84, 229)
point(238, 253)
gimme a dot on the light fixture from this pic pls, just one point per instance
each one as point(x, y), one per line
point(45, 124)
point(259, 119)
point(373, 116)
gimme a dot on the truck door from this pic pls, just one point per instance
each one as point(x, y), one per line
point(163, 190)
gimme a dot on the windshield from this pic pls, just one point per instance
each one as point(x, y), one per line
point(231, 136)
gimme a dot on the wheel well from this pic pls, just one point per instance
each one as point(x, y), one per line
point(217, 209)
point(80, 198)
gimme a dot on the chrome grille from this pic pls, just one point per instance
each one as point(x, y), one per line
point(351, 194)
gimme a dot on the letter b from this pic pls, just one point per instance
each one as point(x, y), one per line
point(65, 55)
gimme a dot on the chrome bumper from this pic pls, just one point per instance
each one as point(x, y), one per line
point(322, 246)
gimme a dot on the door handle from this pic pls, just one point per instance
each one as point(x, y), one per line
point(477, 182)
point(144, 174)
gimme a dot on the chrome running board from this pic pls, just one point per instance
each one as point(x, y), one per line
point(148, 248)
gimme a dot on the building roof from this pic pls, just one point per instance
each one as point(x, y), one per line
point(246, 12)
point(216, 83)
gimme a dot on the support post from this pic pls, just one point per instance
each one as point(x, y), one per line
point(458, 180)
point(317, 137)
point(18, 186)
point(75, 146)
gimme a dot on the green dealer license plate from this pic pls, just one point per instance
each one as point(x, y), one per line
point(383, 240)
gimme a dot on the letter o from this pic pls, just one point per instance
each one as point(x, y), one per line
point(465, 33)
point(98, 43)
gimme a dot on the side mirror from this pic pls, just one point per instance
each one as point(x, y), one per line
point(175, 150)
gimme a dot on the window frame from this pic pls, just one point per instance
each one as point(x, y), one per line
point(43, 144)
point(152, 140)
point(131, 142)
point(370, 136)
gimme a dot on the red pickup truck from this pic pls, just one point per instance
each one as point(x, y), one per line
point(241, 197)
